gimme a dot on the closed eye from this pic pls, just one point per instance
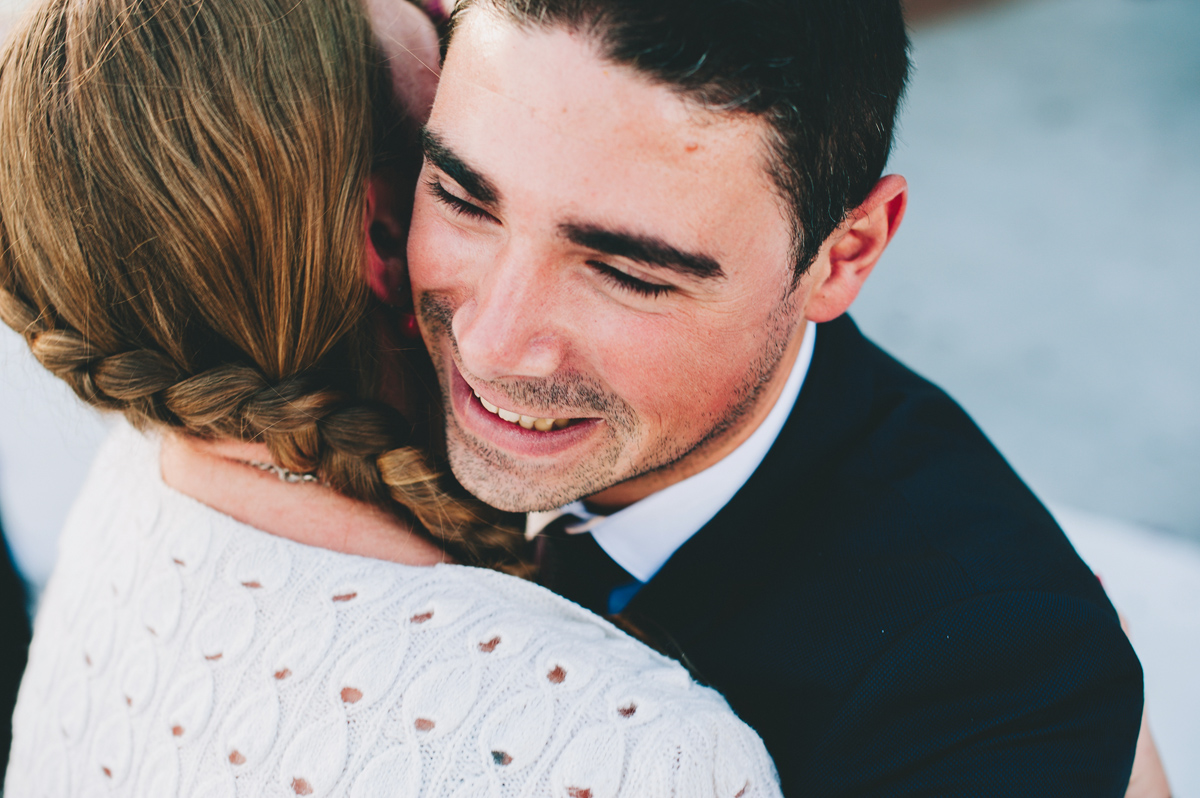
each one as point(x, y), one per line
point(628, 282)
point(454, 203)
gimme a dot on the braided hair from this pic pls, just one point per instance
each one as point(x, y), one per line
point(182, 204)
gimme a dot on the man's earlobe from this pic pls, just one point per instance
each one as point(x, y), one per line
point(849, 255)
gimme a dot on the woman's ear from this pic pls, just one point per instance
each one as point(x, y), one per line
point(848, 256)
point(386, 230)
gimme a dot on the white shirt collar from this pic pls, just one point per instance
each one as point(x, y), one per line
point(643, 536)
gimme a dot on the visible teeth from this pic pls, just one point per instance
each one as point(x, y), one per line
point(528, 422)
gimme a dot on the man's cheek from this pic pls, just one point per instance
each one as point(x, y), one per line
point(667, 378)
point(628, 352)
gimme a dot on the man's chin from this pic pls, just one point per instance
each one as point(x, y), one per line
point(507, 489)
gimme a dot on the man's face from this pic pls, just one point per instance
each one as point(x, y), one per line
point(588, 246)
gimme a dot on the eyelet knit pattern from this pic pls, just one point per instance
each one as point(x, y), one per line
point(180, 653)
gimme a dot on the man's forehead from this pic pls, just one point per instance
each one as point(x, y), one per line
point(558, 79)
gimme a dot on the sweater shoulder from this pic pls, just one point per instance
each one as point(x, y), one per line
point(178, 650)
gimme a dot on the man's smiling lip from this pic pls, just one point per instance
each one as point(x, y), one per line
point(542, 423)
point(479, 422)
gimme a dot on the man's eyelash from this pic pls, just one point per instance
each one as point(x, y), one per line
point(615, 276)
point(456, 204)
point(628, 282)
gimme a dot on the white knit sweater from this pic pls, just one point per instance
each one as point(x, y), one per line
point(178, 652)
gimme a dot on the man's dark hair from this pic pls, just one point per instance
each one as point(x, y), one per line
point(825, 75)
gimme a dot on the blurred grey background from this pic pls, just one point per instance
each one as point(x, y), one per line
point(1047, 272)
point(1045, 276)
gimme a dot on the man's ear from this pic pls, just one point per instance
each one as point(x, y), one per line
point(386, 230)
point(848, 256)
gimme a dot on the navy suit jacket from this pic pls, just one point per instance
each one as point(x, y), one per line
point(894, 611)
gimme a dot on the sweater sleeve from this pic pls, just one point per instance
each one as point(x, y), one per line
point(998, 695)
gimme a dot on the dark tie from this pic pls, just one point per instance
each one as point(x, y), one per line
point(574, 566)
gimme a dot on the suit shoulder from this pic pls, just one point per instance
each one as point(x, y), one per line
point(911, 469)
point(990, 696)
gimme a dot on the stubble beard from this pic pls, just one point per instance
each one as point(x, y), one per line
point(503, 481)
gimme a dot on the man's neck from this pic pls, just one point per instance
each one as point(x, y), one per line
point(708, 454)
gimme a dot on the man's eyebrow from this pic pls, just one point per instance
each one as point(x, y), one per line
point(441, 156)
point(643, 249)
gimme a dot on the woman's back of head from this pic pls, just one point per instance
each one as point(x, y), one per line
point(182, 200)
point(215, 146)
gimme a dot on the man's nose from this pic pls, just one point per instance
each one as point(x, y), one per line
point(506, 329)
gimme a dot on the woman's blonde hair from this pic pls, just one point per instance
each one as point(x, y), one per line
point(182, 205)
